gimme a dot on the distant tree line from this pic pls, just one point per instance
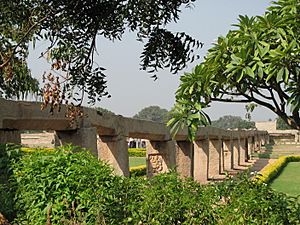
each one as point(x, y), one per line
point(232, 122)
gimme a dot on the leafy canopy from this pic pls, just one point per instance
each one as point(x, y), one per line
point(71, 28)
point(257, 63)
point(232, 122)
point(153, 113)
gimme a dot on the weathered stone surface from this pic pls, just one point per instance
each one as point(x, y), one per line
point(201, 163)
point(114, 150)
point(242, 152)
point(161, 156)
point(83, 137)
point(184, 158)
point(236, 155)
point(203, 159)
point(214, 158)
point(228, 149)
point(10, 136)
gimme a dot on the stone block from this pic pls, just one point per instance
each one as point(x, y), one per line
point(10, 136)
point(215, 158)
point(83, 137)
point(201, 157)
point(161, 157)
point(184, 158)
point(114, 150)
point(228, 148)
point(235, 153)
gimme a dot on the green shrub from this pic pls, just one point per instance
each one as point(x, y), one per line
point(272, 170)
point(65, 187)
point(166, 199)
point(9, 154)
point(243, 201)
point(137, 152)
point(70, 186)
point(138, 171)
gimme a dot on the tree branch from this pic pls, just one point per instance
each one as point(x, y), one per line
point(22, 39)
point(230, 100)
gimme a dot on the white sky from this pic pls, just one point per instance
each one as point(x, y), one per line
point(132, 89)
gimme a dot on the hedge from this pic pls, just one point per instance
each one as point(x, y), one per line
point(137, 152)
point(138, 171)
point(272, 170)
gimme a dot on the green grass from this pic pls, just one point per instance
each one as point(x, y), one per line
point(137, 161)
point(289, 180)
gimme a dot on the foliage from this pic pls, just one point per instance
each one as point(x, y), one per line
point(272, 170)
point(105, 111)
point(166, 199)
point(153, 113)
point(137, 152)
point(138, 171)
point(71, 28)
point(281, 125)
point(65, 186)
point(9, 154)
point(243, 201)
point(258, 62)
point(70, 186)
point(231, 122)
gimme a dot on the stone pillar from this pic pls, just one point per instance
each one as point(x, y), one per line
point(257, 143)
point(235, 153)
point(10, 136)
point(243, 150)
point(250, 146)
point(214, 159)
point(83, 137)
point(201, 154)
point(114, 150)
point(227, 146)
point(297, 137)
point(161, 157)
point(268, 138)
point(263, 139)
point(184, 158)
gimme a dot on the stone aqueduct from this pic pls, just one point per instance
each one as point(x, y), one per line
point(212, 153)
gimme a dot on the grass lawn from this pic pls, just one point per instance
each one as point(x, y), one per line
point(137, 161)
point(289, 180)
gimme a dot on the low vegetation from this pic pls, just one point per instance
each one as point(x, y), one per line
point(70, 186)
point(137, 152)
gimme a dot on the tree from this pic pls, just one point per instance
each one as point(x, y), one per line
point(105, 111)
point(153, 113)
point(257, 63)
point(281, 125)
point(71, 29)
point(232, 122)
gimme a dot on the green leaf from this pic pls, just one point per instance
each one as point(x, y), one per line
point(250, 72)
point(280, 74)
point(260, 72)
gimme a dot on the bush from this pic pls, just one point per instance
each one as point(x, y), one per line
point(137, 152)
point(272, 170)
point(70, 186)
point(137, 171)
point(166, 199)
point(65, 187)
point(243, 201)
point(9, 154)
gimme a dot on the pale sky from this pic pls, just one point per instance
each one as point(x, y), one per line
point(132, 89)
